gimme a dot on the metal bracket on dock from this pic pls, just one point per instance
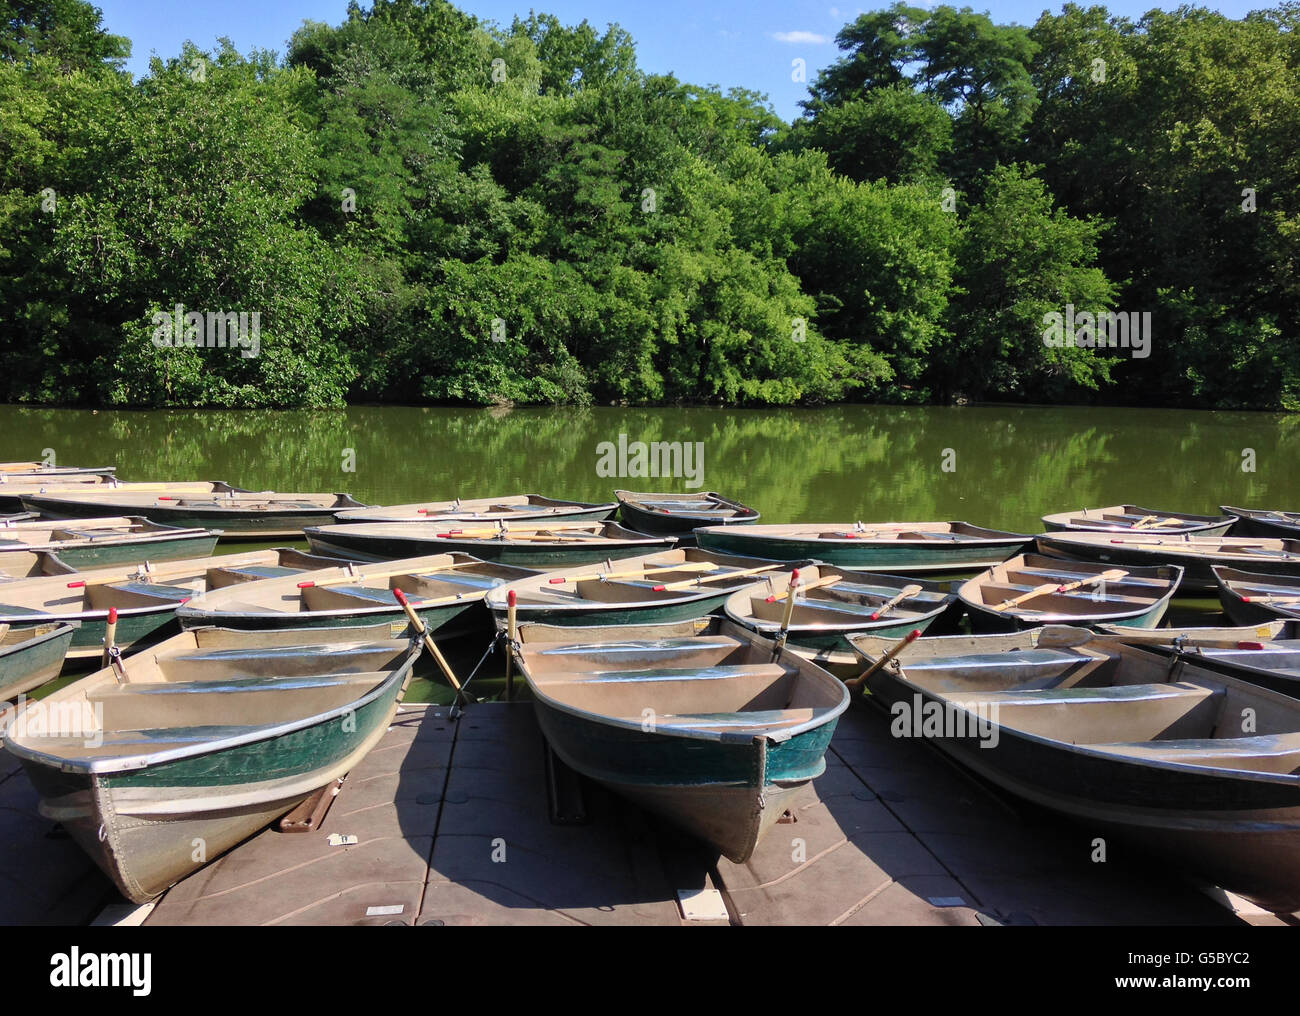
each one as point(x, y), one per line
point(311, 813)
point(568, 804)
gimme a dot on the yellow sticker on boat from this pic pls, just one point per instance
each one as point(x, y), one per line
point(396, 628)
point(1264, 632)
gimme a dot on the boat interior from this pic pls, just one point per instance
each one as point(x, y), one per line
point(643, 588)
point(449, 575)
point(710, 684)
point(851, 600)
point(148, 585)
point(1129, 517)
point(82, 531)
point(1122, 701)
point(1137, 589)
point(177, 697)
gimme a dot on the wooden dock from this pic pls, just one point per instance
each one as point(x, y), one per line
point(463, 822)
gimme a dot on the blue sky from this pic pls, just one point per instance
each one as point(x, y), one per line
point(749, 44)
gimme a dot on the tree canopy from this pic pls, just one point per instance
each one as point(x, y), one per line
point(418, 206)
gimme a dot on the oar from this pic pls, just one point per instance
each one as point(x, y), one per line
point(105, 580)
point(703, 566)
point(1114, 575)
point(110, 637)
point(687, 583)
point(894, 650)
point(429, 644)
point(778, 644)
point(112, 654)
point(512, 629)
point(1270, 599)
point(358, 576)
point(907, 592)
point(830, 580)
point(1155, 522)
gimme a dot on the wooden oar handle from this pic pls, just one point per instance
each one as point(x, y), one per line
point(889, 654)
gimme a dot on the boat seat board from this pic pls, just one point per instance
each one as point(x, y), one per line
point(1090, 715)
point(259, 571)
point(757, 719)
point(655, 646)
point(1272, 753)
point(742, 688)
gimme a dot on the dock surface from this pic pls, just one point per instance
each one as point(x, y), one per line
point(453, 825)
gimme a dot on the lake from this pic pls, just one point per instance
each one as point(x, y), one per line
point(996, 466)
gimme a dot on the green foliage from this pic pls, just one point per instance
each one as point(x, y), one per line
point(423, 207)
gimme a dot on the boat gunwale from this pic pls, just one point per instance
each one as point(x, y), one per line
point(690, 733)
point(130, 763)
point(1254, 776)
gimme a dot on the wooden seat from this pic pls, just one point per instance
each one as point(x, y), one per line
point(1273, 753)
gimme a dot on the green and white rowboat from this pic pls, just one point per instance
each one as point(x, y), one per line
point(1032, 590)
point(710, 732)
point(31, 656)
point(672, 585)
point(525, 544)
point(833, 603)
point(446, 590)
point(239, 514)
point(511, 508)
point(145, 595)
point(902, 547)
point(196, 744)
point(99, 543)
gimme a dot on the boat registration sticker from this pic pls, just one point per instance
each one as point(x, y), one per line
point(1264, 632)
point(385, 911)
point(395, 628)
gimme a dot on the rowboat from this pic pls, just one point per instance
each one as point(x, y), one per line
point(442, 587)
point(1032, 590)
point(511, 508)
point(31, 656)
point(832, 603)
point(196, 744)
point(41, 469)
point(145, 595)
point(680, 514)
point(102, 542)
point(1121, 740)
point(22, 564)
point(13, 488)
point(1197, 555)
point(1250, 597)
point(714, 732)
point(1265, 631)
point(672, 585)
point(238, 513)
point(878, 546)
point(1257, 522)
point(1127, 518)
point(529, 544)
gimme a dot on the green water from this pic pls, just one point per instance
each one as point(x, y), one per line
point(1008, 466)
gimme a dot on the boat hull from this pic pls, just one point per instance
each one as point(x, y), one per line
point(149, 828)
point(38, 658)
point(1241, 832)
point(889, 556)
point(728, 794)
point(1198, 574)
point(233, 522)
point(106, 554)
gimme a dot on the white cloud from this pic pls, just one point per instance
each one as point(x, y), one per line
point(800, 37)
